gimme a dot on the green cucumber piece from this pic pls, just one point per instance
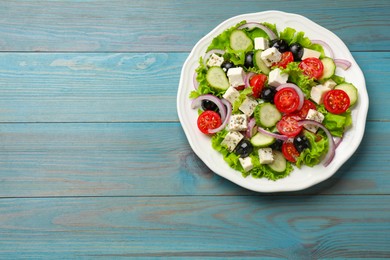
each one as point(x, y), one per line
point(259, 63)
point(239, 41)
point(267, 115)
point(329, 68)
point(262, 140)
point(279, 164)
point(216, 77)
point(351, 91)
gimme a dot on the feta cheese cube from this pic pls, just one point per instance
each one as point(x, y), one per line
point(246, 163)
point(270, 56)
point(307, 53)
point(276, 77)
point(215, 60)
point(261, 43)
point(248, 106)
point(231, 95)
point(231, 140)
point(266, 156)
point(236, 76)
point(318, 92)
point(238, 123)
point(330, 84)
point(316, 116)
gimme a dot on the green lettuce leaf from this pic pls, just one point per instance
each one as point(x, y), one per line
point(312, 156)
point(241, 98)
point(264, 171)
point(297, 77)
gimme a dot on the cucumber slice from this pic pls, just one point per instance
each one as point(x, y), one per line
point(351, 91)
point(279, 164)
point(262, 140)
point(259, 63)
point(267, 115)
point(329, 68)
point(216, 77)
point(239, 41)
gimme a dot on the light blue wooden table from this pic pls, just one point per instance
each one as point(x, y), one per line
point(94, 162)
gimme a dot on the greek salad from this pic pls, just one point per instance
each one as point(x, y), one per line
point(271, 100)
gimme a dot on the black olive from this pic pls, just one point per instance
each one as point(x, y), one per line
point(301, 143)
point(244, 148)
point(277, 145)
point(268, 94)
point(297, 51)
point(249, 60)
point(226, 65)
point(280, 44)
point(209, 105)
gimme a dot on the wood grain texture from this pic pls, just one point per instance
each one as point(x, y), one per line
point(299, 227)
point(141, 159)
point(122, 87)
point(172, 26)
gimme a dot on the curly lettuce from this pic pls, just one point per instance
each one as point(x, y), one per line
point(318, 147)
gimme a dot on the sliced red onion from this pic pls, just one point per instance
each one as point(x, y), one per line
point(251, 25)
point(274, 135)
point(251, 131)
point(344, 64)
point(297, 89)
point(338, 141)
point(211, 52)
point(194, 81)
point(325, 45)
point(332, 147)
point(217, 101)
point(248, 76)
point(227, 118)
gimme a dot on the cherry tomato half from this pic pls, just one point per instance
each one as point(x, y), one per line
point(208, 120)
point(288, 125)
point(287, 57)
point(290, 152)
point(257, 83)
point(336, 101)
point(286, 100)
point(312, 67)
point(307, 105)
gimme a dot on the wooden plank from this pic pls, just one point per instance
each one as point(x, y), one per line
point(297, 227)
point(172, 25)
point(148, 159)
point(121, 87)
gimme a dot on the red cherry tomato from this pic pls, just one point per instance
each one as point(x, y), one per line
point(307, 105)
point(290, 152)
point(257, 83)
point(336, 101)
point(209, 120)
point(287, 57)
point(312, 67)
point(288, 125)
point(286, 100)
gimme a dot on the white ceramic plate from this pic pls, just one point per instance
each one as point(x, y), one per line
point(300, 178)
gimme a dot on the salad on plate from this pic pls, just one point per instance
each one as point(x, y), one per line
point(271, 101)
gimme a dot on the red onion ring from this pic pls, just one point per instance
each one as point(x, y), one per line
point(332, 147)
point(224, 122)
point(251, 25)
point(194, 81)
point(344, 64)
point(274, 135)
point(211, 52)
point(247, 78)
point(251, 128)
point(338, 141)
point(197, 102)
point(297, 89)
point(325, 45)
